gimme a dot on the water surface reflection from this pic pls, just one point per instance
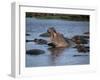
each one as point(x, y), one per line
point(55, 54)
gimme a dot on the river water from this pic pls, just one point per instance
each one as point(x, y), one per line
point(35, 27)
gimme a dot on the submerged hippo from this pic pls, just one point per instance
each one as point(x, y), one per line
point(57, 39)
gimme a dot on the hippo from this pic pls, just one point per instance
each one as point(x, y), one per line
point(56, 38)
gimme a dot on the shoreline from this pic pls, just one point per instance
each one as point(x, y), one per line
point(58, 19)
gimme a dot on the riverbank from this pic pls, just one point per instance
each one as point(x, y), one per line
point(68, 17)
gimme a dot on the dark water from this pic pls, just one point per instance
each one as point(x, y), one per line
point(35, 27)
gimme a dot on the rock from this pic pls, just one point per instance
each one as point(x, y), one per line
point(46, 34)
point(27, 34)
point(52, 45)
point(81, 48)
point(80, 39)
point(29, 40)
point(40, 41)
point(86, 33)
point(35, 52)
point(79, 55)
point(86, 37)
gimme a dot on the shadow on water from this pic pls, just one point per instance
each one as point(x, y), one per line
point(55, 54)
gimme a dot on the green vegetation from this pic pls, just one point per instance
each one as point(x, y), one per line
point(58, 16)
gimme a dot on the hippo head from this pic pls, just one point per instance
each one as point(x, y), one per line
point(51, 30)
point(56, 38)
